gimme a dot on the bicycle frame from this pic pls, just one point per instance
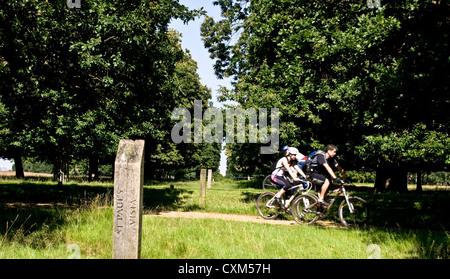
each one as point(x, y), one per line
point(338, 191)
point(352, 211)
point(291, 198)
point(301, 188)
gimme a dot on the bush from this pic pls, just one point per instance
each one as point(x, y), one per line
point(362, 176)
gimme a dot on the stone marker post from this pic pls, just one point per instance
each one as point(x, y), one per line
point(128, 199)
point(209, 179)
point(202, 187)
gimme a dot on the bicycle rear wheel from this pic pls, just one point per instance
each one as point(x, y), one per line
point(269, 185)
point(353, 213)
point(267, 207)
point(304, 209)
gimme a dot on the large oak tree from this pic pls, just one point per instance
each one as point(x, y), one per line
point(75, 81)
point(373, 81)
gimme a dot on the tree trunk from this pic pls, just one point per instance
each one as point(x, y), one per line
point(419, 181)
point(18, 165)
point(93, 168)
point(391, 178)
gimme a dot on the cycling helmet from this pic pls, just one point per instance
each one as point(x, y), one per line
point(284, 148)
point(293, 150)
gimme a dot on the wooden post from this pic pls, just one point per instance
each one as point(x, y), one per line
point(202, 187)
point(209, 179)
point(128, 199)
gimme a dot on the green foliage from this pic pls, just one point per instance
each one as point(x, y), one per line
point(75, 81)
point(415, 145)
point(32, 165)
point(361, 176)
point(339, 71)
point(437, 178)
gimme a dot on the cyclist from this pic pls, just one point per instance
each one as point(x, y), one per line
point(320, 171)
point(287, 163)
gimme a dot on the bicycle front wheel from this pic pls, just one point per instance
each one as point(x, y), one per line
point(304, 209)
point(267, 207)
point(353, 213)
point(269, 185)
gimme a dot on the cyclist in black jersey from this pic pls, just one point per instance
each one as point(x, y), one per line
point(322, 173)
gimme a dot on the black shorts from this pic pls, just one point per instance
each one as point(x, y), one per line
point(317, 178)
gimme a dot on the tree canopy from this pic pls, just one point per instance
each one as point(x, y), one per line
point(373, 81)
point(75, 81)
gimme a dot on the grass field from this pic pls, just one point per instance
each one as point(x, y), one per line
point(40, 220)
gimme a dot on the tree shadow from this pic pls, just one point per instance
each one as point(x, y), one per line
point(250, 197)
point(254, 183)
point(419, 217)
point(410, 211)
point(165, 199)
point(32, 207)
point(35, 207)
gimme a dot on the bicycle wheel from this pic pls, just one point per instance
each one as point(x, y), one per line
point(304, 209)
point(354, 213)
point(269, 185)
point(267, 207)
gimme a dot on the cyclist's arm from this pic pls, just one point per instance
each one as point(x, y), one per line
point(299, 170)
point(341, 170)
point(330, 171)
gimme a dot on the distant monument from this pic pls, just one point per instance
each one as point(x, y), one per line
point(128, 199)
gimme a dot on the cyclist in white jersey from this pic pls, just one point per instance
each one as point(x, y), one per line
point(289, 164)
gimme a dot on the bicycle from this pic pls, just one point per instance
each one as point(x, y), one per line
point(268, 185)
point(266, 205)
point(352, 212)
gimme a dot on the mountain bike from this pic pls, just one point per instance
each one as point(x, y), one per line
point(268, 185)
point(266, 205)
point(352, 211)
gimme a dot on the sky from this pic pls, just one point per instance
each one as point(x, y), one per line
point(192, 41)
point(5, 165)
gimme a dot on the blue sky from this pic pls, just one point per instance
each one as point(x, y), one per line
point(192, 41)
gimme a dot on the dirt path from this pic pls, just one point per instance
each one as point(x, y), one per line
point(235, 217)
point(27, 174)
point(231, 217)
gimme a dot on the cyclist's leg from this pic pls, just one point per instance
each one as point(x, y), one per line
point(321, 181)
point(324, 189)
point(283, 183)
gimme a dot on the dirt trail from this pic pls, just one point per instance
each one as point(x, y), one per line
point(234, 217)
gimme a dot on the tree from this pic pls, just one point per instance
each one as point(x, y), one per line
point(179, 159)
point(73, 82)
point(340, 72)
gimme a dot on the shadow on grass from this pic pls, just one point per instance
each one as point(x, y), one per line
point(418, 217)
point(32, 207)
point(254, 183)
point(35, 207)
point(165, 199)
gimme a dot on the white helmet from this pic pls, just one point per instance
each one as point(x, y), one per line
point(293, 150)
